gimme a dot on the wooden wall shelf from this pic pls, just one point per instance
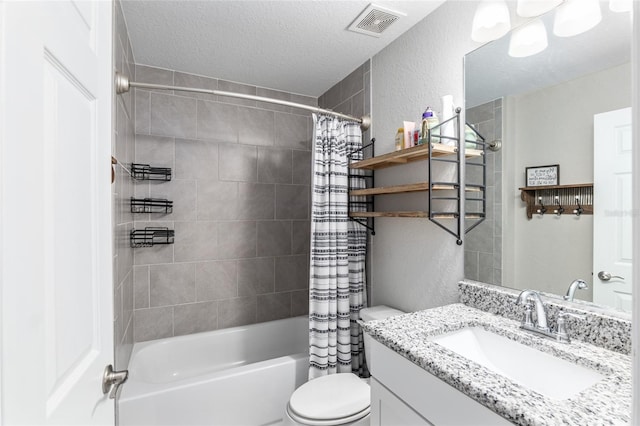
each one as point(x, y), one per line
point(445, 207)
point(546, 188)
point(396, 189)
point(543, 200)
point(390, 214)
point(410, 187)
point(416, 153)
point(422, 214)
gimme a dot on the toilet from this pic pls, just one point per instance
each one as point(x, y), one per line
point(336, 399)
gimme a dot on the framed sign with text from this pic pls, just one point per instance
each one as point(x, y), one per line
point(543, 175)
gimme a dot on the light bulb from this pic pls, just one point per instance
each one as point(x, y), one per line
point(574, 17)
point(491, 21)
point(531, 8)
point(621, 5)
point(528, 39)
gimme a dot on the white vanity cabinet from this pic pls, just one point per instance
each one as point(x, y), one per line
point(388, 409)
point(402, 393)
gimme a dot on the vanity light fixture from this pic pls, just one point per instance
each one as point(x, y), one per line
point(574, 17)
point(621, 5)
point(533, 8)
point(491, 21)
point(528, 39)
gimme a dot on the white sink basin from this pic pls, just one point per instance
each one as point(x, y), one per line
point(553, 377)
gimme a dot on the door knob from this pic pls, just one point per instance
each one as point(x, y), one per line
point(606, 276)
point(111, 380)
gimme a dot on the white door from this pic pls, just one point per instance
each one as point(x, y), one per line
point(612, 236)
point(55, 136)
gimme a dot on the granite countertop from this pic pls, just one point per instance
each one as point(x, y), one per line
point(608, 402)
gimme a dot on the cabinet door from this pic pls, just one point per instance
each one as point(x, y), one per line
point(388, 410)
point(427, 395)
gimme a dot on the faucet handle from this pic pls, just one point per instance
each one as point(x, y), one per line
point(523, 299)
point(527, 320)
point(564, 314)
point(561, 329)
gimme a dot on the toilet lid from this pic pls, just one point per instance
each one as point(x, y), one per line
point(336, 396)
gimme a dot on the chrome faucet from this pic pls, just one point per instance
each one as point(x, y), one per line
point(532, 297)
point(541, 312)
point(575, 285)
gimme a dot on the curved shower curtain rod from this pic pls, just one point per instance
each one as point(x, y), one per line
point(123, 85)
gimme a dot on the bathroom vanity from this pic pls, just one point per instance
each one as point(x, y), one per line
point(422, 374)
point(403, 393)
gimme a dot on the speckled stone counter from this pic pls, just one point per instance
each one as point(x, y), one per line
point(601, 327)
point(608, 402)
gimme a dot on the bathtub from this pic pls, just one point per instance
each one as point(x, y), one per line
point(236, 376)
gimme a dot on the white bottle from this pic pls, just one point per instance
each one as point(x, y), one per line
point(447, 129)
point(400, 139)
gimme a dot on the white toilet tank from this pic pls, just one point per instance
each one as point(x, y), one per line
point(375, 313)
point(378, 312)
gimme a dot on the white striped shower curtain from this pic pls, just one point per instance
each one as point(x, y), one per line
point(337, 288)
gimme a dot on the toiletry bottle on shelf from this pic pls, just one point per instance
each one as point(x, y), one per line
point(409, 127)
point(470, 137)
point(447, 132)
point(424, 126)
point(429, 121)
point(400, 139)
point(434, 130)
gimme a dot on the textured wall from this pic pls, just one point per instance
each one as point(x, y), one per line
point(241, 193)
point(351, 95)
point(483, 245)
point(122, 149)
point(415, 264)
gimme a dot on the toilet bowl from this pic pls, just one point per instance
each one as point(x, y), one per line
point(336, 399)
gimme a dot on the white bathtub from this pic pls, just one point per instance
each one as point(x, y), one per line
point(236, 376)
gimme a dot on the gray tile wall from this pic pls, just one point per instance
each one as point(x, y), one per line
point(241, 193)
point(123, 150)
point(352, 95)
point(483, 245)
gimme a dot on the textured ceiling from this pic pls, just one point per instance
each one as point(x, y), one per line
point(298, 46)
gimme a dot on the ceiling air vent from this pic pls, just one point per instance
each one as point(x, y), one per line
point(374, 20)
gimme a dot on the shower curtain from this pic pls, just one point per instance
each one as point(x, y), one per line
point(337, 288)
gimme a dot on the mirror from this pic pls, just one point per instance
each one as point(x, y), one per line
point(542, 108)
